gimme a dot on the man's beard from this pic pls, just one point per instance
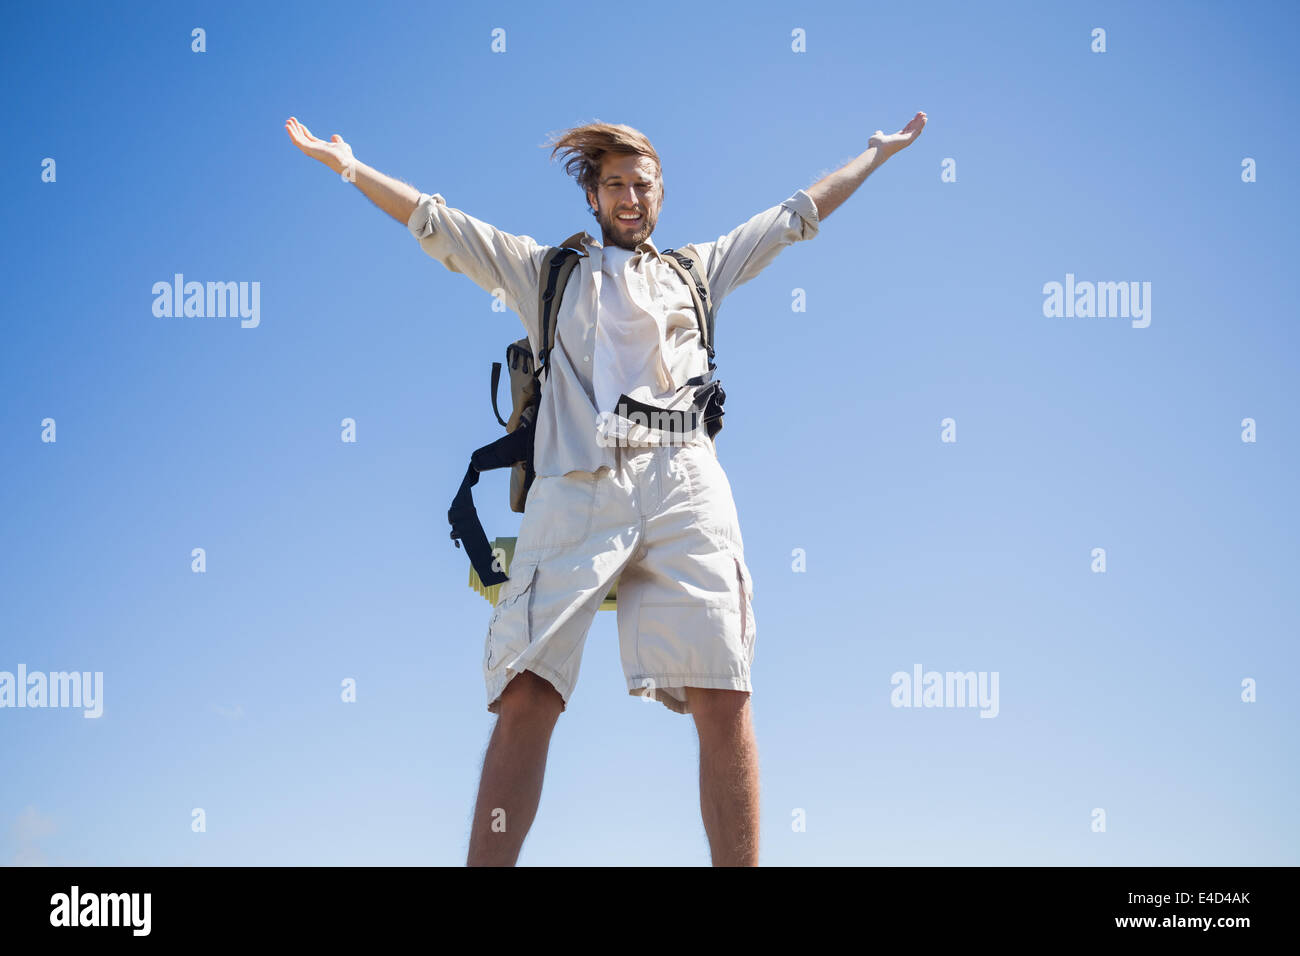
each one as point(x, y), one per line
point(613, 233)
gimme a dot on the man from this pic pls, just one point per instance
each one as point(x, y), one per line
point(608, 503)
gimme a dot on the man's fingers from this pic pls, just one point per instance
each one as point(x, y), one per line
point(312, 145)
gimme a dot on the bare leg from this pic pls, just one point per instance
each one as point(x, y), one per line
point(511, 785)
point(728, 774)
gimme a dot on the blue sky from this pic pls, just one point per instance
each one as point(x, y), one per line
point(1118, 690)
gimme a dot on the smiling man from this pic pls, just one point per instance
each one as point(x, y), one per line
point(612, 501)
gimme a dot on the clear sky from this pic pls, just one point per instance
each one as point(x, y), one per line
point(1120, 691)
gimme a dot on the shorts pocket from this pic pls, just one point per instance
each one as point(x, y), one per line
point(510, 630)
point(558, 513)
point(747, 628)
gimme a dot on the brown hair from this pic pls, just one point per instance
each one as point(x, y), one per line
point(583, 148)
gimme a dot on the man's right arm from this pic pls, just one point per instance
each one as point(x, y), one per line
point(499, 262)
point(495, 260)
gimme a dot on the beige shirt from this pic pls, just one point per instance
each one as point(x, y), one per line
point(510, 266)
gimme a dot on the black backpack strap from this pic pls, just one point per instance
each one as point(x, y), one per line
point(699, 292)
point(463, 516)
point(466, 527)
point(707, 402)
point(709, 398)
point(556, 267)
point(517, 446)
point(496, 380)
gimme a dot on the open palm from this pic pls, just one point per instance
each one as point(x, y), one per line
point(904, 137)
point(335, 154)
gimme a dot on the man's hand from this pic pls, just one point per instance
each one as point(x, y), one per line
point(888, 144)
point(829, 192)
point(393, 196)
point(336, 154)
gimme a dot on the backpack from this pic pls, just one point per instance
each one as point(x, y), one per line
point(527, 373)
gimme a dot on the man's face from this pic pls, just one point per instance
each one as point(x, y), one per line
point(628, 186)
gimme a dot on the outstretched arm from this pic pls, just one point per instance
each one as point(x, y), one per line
point(394, 197)
point(499, 262)
point(831, 190)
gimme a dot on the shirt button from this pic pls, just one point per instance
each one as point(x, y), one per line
point(586, 358)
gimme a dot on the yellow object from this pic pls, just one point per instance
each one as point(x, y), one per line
point(503, 549)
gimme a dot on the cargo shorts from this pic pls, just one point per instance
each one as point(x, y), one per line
point(663, 524)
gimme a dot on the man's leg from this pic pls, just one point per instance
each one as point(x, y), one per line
point(728, 774)
point(511, 785)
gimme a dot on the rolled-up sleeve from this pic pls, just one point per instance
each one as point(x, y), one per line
point(493, 259)
point(748, 249)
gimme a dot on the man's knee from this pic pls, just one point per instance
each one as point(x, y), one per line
point(530, 697)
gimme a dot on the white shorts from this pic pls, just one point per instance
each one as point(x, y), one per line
point(663, 524)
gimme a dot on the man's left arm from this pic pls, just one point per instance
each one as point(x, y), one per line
point(744, 252)
point(831, 190)
point(740, 255)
